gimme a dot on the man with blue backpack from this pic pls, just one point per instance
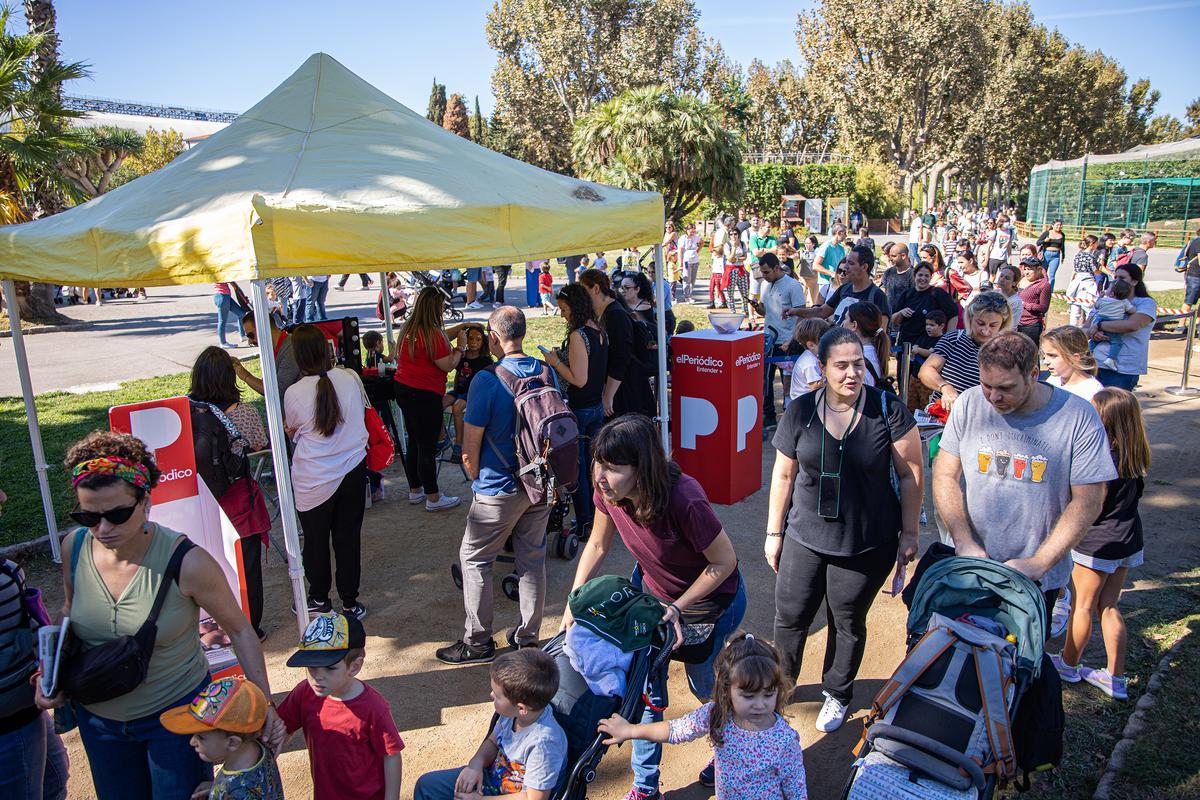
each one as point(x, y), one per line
point(518, 434)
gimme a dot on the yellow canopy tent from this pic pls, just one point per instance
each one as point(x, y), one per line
point(325, 175)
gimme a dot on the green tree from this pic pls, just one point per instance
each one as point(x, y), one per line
point(455, 119)
point(107, 148)
point(786, 114)
point(437, 103)
point(557, 59)
point(656, 139)
point(160, 149)
point(478, 125)
point(35, 138)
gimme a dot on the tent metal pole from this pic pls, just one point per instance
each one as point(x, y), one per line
point(660, 302)
point(35, 433)
point(283, 472)
point(387, 312)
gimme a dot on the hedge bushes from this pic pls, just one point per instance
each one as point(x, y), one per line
point(766, 183)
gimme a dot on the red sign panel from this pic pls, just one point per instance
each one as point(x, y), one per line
point(716, 411)
point(166, 428)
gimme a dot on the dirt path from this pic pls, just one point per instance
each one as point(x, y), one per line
point(442, 712)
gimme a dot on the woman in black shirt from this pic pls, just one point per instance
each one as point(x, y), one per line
point(912, 305)
point(582, 363)
point(627, 389)
point(848, 527)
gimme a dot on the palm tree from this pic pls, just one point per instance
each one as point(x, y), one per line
point(654, 139)
point(34, 139)
point(92, 171)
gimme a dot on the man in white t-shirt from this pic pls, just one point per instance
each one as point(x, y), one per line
point(780, 294)
point(916, 231)
point(689, 257)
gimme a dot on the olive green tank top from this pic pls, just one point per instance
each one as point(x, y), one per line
point(178, 663)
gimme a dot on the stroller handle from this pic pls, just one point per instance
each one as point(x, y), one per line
point(931, 746)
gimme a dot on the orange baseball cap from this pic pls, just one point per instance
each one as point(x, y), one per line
point(228, 704)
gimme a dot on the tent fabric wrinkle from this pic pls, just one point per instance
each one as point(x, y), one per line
point(326, 175)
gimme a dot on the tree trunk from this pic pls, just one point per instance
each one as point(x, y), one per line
point(35, 302)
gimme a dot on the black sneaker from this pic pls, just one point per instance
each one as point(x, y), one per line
point(708, 775)
point(315, 607)
point(511, 638)
point(358, 610)
point(462, 653)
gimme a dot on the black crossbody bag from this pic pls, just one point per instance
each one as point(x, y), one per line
point(116, 668)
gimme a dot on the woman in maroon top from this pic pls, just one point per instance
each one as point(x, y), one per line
point(684, 558)
point(1035, 299)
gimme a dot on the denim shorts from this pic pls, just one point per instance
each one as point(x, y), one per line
point(475, 273)
point(1191, 291)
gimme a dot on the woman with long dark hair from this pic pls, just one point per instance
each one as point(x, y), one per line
point(426, 357)
point(847, 527)
point(324, 413)
point(627, 389)
point(684, 558)
point(1035, 299)
point(214, 392)
point(581, 363)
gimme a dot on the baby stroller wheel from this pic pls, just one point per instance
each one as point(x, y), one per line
point(453, 314)
point(456, 575)
point(511, 586)
point(569, 546)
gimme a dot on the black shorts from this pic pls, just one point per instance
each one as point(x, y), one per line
point(994, 265)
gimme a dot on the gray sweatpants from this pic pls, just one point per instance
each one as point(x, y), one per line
point(489, 522)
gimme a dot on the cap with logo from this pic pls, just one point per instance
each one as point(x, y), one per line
point(327, 639)
point(228, 704)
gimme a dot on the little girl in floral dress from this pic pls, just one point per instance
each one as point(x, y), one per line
point(757, 754)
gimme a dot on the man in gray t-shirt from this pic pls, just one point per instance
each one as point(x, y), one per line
point(1034, 460)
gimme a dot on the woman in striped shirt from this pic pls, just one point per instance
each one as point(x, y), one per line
point(953, 366)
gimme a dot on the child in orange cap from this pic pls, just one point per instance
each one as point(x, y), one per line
point(225, 720)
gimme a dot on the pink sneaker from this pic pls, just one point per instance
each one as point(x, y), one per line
point(637, 794)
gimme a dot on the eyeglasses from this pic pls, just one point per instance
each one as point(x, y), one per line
point(627, 287)
point(116, 516)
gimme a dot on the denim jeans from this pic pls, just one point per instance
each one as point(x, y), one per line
point(1191, 291)
point(1053, 260)
point(225, 304)
point(769, 370)
point(1120, 380)
point(315, 311)
point(913, 251)
point(591, 419)
point(701, 678)
point(33, 762)
point(438, 785)
point(299, 310)
point(140, 759)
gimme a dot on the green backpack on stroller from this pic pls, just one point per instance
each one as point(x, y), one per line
point(941, 726)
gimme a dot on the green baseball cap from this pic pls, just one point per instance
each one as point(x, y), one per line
point(615, 610)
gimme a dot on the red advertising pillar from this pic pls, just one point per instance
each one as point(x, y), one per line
point(716, 411)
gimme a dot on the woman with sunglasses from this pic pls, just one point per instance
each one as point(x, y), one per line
point(847, 527)
point(953, 366)
point(112, 569)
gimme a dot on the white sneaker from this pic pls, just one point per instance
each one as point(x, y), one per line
point(475, 306)
point(1061, 614)
point(416, 497)
point(446, 501)
point(832, 715)
point(1109, 363)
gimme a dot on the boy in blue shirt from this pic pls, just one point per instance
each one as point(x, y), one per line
point(526, 752)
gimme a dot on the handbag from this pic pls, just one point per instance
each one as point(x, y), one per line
point(381, 451)
point(117, 667)
point(243, 503)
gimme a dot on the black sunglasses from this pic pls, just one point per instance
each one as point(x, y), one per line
point(116, 516)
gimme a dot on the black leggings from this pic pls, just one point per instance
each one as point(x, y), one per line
point(251, 548)
point(848, 585)
point(422, 412)
point(338, 519)
point(500, 275)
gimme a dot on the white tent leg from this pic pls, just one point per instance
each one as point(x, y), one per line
point(387, 313)
point(35, 433)
point(283, 472)
point(664, 427)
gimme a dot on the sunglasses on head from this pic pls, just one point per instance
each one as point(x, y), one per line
point(116, 516)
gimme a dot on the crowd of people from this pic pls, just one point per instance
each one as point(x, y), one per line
point(1042, 475)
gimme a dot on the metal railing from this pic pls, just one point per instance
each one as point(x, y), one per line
point(1166, 239)
point(802, 157)
point(1183, 390)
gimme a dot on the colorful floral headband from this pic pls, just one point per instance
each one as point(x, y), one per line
point(116, 466)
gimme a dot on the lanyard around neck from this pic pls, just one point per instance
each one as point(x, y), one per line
point(841, 442)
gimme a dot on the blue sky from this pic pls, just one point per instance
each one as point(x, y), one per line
point(225, 55)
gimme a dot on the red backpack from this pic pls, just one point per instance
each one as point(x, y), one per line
point(545, 434)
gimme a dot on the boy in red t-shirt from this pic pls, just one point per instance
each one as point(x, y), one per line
point(546, 291)
point(353, 745)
